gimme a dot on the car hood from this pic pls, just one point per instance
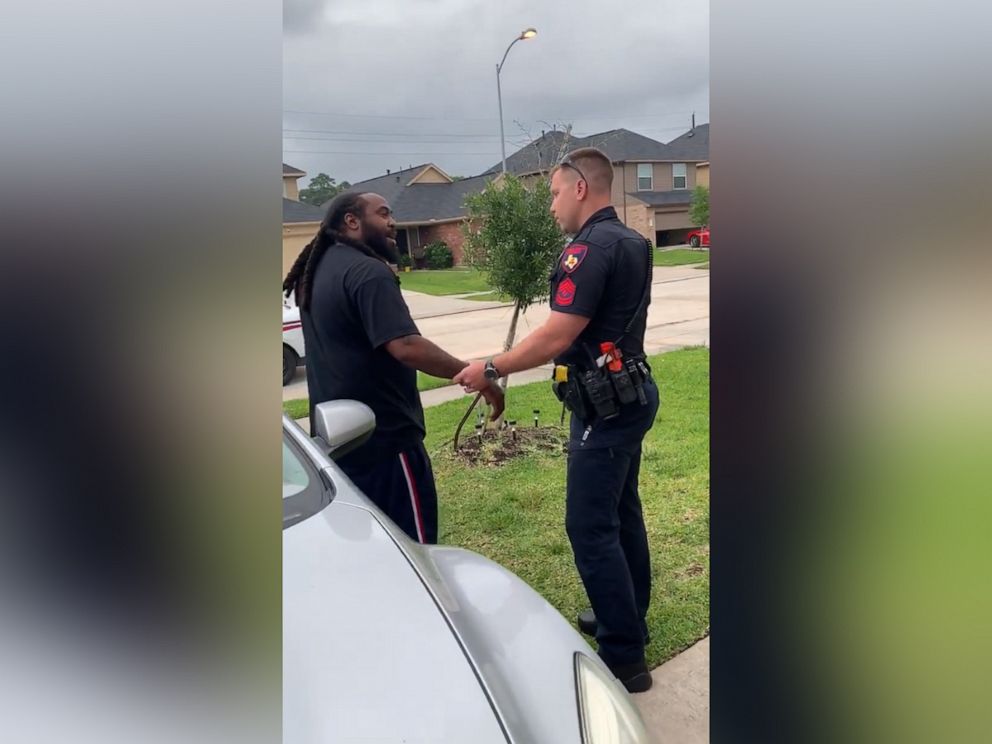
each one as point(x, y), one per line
point(367, 654)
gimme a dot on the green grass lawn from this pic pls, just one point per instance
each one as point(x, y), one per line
point(300, 407)
point(680, 257)
point(429, 382)
point(515, 513)
point(297, 408)
point(444, 282)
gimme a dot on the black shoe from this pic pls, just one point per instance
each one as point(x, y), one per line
point(635, 677)
point(587, 622)
point(588, 625)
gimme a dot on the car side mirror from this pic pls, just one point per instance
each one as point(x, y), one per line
point(342, 426)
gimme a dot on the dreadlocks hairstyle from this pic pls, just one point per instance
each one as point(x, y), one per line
point(300, 276)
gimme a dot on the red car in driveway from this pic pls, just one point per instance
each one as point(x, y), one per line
point(700, 237)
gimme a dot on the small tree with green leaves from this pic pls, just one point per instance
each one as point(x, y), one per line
point(512, 237)
point(699, 208)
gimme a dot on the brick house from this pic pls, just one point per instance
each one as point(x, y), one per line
point(428, 205)
point(652, 181)
point(652, 186)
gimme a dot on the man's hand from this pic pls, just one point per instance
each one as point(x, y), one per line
point(473, 377)
point(495, 398)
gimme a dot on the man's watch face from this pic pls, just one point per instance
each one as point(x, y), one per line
point(490, 371)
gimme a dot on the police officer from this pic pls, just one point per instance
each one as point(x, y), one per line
point(600, 291)
point(362, 344)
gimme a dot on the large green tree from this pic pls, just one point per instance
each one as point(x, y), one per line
point(322, 187)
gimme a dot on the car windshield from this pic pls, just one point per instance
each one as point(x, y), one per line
point(303, 492)
point(295, 478)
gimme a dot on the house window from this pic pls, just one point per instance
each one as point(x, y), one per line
point(678, 176)
point(645, 177)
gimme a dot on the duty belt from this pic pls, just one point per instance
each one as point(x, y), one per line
point(599, 393)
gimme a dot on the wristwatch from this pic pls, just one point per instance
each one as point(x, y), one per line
point(490, 371)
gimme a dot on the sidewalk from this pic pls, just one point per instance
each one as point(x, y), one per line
point(677, 707)
point(678, 316)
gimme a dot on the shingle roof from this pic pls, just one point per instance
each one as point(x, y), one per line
point(288, 170)
point(693, 145)
point(622, 145)
point(619, 145)
point(389, 186)
point(422, 202)
point(540, 154)
point(663, 198)
point(294, 211)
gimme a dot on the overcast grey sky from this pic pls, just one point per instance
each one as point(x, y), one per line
point(371, 85)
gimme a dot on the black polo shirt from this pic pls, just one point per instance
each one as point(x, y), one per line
point(601, 275)
point(355, 309)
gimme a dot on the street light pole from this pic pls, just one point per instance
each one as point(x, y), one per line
point(502, 137)
point(528, 33)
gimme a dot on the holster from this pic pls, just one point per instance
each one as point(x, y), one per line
point(570, 393)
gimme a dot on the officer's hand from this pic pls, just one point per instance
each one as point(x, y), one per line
point(496, 399)
point(472, 377)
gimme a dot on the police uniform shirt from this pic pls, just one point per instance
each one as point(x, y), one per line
point(355, 309)
point(601, 276)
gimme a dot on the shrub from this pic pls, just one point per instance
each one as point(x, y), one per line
point(438, 255)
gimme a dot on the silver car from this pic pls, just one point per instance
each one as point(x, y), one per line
point(386, 640)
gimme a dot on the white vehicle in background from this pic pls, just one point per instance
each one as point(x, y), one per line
point(293, 350)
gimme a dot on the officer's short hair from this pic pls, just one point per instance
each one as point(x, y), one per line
point(592, 165)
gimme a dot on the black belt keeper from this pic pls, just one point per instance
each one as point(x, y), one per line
point(633, 367)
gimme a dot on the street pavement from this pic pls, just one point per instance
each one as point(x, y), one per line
point(679, 316)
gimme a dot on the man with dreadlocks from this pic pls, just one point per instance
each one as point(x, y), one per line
point(362, 344)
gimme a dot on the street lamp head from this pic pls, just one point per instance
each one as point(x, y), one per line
point(528, 33)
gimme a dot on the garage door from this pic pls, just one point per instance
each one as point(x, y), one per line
point(671, 220)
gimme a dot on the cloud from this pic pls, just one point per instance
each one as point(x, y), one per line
point(404, 82)
point(302, 16)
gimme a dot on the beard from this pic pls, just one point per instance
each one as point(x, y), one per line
point(384, 246)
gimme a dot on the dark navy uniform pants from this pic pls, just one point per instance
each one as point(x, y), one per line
point(402, 485)
point(605, 526)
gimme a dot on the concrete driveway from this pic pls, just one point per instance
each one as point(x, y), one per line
point(679, 315)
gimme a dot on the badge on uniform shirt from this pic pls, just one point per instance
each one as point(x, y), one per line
point(566, 292)
point(573, 256)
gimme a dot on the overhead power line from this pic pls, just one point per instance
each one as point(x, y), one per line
point(390, 134)
point(388, 152)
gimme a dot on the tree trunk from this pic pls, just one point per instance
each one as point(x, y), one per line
point(510, 338)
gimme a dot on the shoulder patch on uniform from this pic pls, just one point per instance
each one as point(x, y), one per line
point(573, 256)
point(566, 292)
